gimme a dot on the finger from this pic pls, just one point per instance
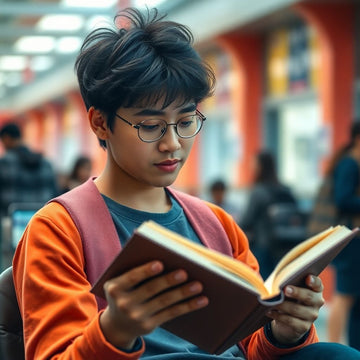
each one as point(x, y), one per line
point(176, 295)
point(305, 296)
point(132, 278)
point(298, 310)
point(314, 283)
point(153, 287)
point(180, 309)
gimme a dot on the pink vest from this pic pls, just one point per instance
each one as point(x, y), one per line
point(92, 218)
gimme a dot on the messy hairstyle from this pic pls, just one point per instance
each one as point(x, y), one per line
point(139, 63)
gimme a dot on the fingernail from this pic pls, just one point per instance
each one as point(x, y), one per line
point(202, 301)
point(289, 290)
point(196, 287)
point(156, 266)
point(180, 276)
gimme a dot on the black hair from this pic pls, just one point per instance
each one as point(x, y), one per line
point(218, 185)
point(79, 163)
point(139, 64)
point(12, 130)
point(267, 168)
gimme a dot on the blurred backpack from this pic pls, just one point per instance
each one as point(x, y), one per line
point(286, 222)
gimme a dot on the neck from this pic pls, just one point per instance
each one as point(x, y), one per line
point(132, 194)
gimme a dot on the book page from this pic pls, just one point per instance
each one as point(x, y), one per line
point(308, 256)
point(296, 252)
point(232, 266)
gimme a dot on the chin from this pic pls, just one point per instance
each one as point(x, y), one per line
point(166, 181)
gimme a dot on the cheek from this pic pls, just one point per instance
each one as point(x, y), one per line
point(187, 146)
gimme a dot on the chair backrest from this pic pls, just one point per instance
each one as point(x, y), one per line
point(11, 330)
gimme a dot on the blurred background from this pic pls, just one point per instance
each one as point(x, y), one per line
point(287, 81)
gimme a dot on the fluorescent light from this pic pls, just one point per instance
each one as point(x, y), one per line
point(148, 3)
point(89, 3)
point(35, 44)
point(68, 44)
point(13, 63)
point(98, 21)
point(60, 22)
point(41, 63)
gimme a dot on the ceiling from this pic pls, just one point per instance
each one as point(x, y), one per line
point(39, 39)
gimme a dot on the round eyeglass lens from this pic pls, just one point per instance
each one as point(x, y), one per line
point(154, 129)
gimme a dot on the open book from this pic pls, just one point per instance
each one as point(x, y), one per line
point(239, 298)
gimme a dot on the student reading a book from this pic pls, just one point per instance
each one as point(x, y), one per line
point(142, 85)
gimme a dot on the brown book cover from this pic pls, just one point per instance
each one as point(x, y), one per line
point(237, 307)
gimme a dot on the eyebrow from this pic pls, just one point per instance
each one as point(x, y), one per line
point(154, 112)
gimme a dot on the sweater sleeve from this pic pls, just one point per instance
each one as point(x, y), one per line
point(256, 346)
point(60, 315)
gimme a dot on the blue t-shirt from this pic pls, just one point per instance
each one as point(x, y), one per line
point(161, 344)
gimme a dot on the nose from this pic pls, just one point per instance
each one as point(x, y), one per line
point(170, 141)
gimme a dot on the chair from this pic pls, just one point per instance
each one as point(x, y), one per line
point(11, 330)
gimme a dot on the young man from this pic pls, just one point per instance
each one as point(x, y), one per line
point(142, 85)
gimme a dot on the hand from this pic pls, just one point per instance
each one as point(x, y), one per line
point(143, 299)
point(294, 317)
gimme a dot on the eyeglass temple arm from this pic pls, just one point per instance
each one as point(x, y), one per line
point(203, 117)
point(128, 122)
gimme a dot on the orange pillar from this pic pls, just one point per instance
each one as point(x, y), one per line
point(334, 23)
point(246, 52)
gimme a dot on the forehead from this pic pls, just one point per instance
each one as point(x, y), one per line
point(161, 106)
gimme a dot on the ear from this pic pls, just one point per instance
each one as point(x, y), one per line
point(98, 123)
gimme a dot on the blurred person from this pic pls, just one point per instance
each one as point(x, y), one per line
point(25, 176)
point(80, 172)
point(218, 190)
point(344, 311)
point(266, 196)
point(142, 85)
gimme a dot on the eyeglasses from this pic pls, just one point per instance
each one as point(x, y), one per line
point(150, 130)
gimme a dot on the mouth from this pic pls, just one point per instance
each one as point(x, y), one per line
point(168, 165)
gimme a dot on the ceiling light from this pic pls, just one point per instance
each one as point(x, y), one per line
point(35, 44)
point(89, 3)
point(60, 22)
point(98, 21)
point(41, 63)
point(13, 63)
point(68, 44)
point(148, 3)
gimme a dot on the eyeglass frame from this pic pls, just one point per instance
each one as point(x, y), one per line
point(138, 126)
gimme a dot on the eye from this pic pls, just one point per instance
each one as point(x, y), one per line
point(152, 125)
point(186, 122)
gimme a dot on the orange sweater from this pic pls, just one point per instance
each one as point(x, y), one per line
point(61, 319)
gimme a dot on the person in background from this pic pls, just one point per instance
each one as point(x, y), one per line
point(25, 176)
point(142, 84)
point(218, 190)
point(256, 220)
point(344, 312)
point(80, 172)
